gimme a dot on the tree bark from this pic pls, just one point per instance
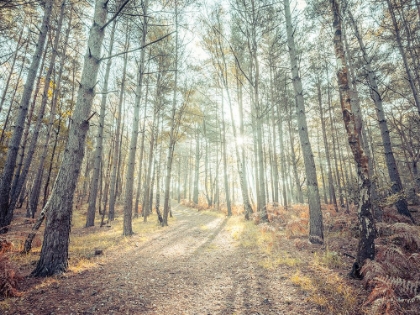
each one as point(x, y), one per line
point(90, 216)
point(333, 198)
point(140, 168)
point(196, 165)
point(12, 67)
point(394, 175)
point(21, 179)
point(315, 215)
point(117, 147)
point(171, 147)
point(129, 189)
point(36, 187)
point(366, 245)
point(225, 166)
point(6, 179)
point(54, 252)
point(398, 38)
point(242, 155)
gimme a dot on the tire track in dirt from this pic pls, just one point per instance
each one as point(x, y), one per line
point(192, 267)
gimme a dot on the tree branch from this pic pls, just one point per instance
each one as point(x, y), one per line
point(138, 48)
point(115, 15)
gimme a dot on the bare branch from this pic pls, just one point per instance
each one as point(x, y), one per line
point(115, 15)
point(138, 48)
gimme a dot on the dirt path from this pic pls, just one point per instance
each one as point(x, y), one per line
point(192, 267)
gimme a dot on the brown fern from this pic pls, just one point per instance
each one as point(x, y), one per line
point(297, 227)
point(394, 276)
point(383, 298)
point(406, 236)
point(370, 271)
point(8, 278)
point(394, 261)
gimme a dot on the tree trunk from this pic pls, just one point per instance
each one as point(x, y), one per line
point(331, 188)
point(6, 179)
point(376, 96)
point(12, 67)
point(140, 169)
point(274, 166)
point(315, 215)
point(20, 181)
point(117, 147)
point(147, 183)
point(242, 156)
point(128, 204)
point(44, 201)
point(377, 210)
point(334, 148)
point(171, 147)
point(90, 216)
point(36, 187)
point(196, 165)
point(17, 86)
point(54, 252)
point(282, 158)
point(398, 38)
point(225, 166)
point(366, 246)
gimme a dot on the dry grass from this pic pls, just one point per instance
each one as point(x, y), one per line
point(85, 241)
point(327, 289)
point(317, 271)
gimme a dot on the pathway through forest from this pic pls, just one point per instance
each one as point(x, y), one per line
point(194, 266)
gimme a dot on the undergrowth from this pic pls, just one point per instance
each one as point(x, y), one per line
point(8, 276)
point(317, 276)
point(86, 243)
point(393, 278)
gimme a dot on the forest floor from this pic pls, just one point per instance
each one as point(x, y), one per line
point(203, 263)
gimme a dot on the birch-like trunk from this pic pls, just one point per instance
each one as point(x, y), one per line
point(366, 246)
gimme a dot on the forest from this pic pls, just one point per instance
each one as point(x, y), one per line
point(209, 157)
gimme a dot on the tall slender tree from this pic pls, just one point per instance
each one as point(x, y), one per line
point(7, 175)
point(59, 208)
point(316, 234)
